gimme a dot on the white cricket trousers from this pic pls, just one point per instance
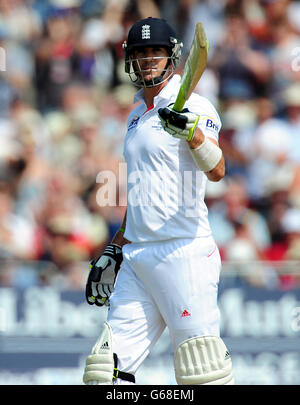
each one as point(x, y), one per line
point(167, 283)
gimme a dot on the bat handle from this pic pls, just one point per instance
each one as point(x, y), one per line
point(178, 105)
point(180, 101)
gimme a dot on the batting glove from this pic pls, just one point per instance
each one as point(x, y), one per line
point(102, 276)
point(179, 124)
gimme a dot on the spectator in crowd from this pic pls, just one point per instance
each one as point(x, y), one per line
point(291, 227)
point(64, 102)
point(243, 217)
point(291, 101)
point(57, 60)
point(17, 235)
point(243, 70)
point(232, 216)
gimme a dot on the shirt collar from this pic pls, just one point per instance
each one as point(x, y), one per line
point(168, 91)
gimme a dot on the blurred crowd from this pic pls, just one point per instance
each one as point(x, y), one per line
point(64, 102)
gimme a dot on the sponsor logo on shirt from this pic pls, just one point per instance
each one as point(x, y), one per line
point(210, 124)
point(133, 122)
point(157, 126)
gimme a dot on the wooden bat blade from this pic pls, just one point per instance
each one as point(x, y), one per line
point(193, 68)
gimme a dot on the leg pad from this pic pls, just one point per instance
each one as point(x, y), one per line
point(203, 360)
point(100, 363)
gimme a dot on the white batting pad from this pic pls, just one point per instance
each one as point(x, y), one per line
point(100, 363)
point(203, 360)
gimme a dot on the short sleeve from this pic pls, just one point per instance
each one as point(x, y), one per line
point(209, 121)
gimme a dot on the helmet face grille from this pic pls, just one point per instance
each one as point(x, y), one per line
point(151, 32)
point(136, 76)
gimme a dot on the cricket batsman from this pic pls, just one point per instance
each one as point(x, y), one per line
point(162, 267)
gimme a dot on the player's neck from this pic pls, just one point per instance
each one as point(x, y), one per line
point(151, 92)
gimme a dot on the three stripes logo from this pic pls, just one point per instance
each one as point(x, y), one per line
point(105, 346)
point(227, 355)
point(185, 313)
point(146, 31)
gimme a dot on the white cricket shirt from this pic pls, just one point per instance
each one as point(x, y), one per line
point(165, 188)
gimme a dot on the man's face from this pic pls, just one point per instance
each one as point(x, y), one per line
point(150, 62)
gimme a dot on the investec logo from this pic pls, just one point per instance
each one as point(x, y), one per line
point(146, 31)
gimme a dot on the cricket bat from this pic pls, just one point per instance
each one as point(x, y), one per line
point(193, 68)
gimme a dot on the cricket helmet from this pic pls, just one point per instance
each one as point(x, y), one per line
point(151, 32)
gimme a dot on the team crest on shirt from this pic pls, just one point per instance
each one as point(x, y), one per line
point(133, 122)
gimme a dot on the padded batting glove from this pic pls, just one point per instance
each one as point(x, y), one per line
point(179, 124)
point(102, 276)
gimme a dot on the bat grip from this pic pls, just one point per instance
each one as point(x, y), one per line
point(179, 102)
point(178, 106)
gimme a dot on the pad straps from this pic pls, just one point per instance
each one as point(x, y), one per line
point(121, 374)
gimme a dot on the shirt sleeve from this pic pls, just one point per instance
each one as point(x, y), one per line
point(209, 121)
